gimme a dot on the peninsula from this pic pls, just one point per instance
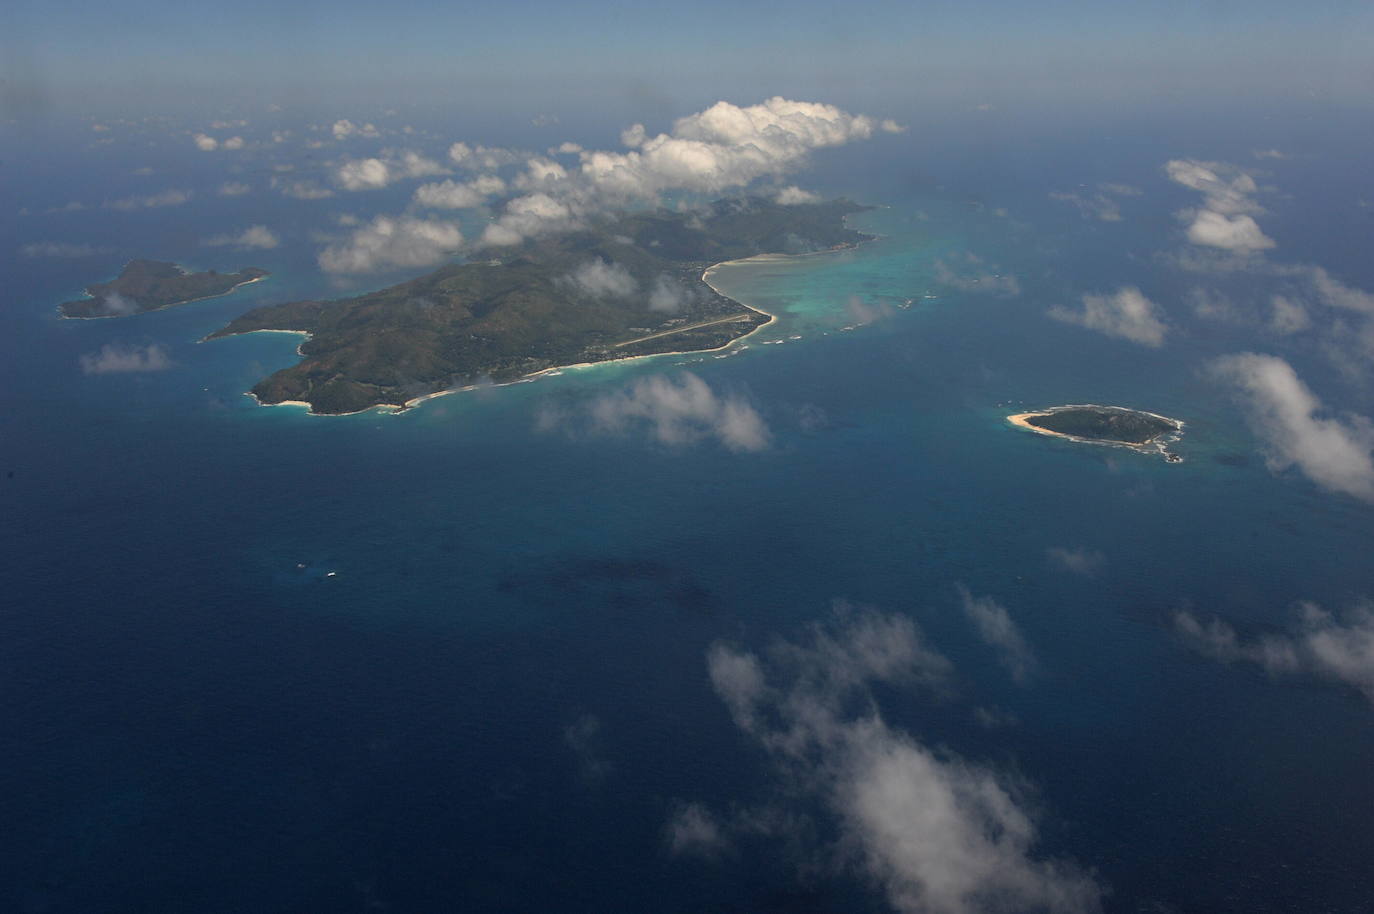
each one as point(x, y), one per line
point(621, 288)
point(150, 285)
point(1105, 425)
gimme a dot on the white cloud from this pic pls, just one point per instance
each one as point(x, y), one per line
point(1288, 316)
point(1101, 205)
point(793, 195)
point(1269, 154)
point(669, 295)
point(205, 143)
point(116, 359)
point(529, 216)
point(890, 126)
point(565, 148)
point(1336, 294)
point(345, 128)
point(376, 173)
point(234, 142)
point(1233, 233)
point(1126, 314)
point(1227, 190)
point(1079, 561)
point(693, 830)
point(483, 158)
point(255, 236)
point(1322, 646)
point(387, 242)
point(301, 190)
point(996, 627)
point(1225, 219)
point(1284, 413)
point(233, 189)
point(451, 194)
point(61, 249)
point(939, 834)
point(675, 411)
point(724, 146)
point(601, 280)
point(152, 201)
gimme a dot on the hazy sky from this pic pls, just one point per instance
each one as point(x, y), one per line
point(544, 53)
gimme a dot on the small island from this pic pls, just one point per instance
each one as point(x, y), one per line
point(1115, 425)
point(151, 285)
point(620, 288)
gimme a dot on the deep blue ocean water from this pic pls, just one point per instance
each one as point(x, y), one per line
point(253, 660)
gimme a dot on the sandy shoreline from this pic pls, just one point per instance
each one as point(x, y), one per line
point(410, 404)
point(1156, 444)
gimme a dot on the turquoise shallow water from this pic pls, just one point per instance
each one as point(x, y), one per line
point(255, 660)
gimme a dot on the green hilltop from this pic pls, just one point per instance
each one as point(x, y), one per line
point(629, 286)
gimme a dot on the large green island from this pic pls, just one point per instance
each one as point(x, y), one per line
point(1105, 425)
point(150, 285)
point(625, 287)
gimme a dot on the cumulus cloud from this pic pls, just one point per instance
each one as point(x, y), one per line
point(676, 412)
point(793, 195)
point(387, 243)
point(527, 217)
point(1287, 417)
point(722, 147)
point(233, 189)
point(451, 194)
point(937, 833)
point(205, 143)
point(1340, 650)
point(1079, 561)
point(483, 158)
point(1226, 189)
point(601, 280)
point(61, 249)
point(151, 201)
point(1126, 314)
point(234, 142)
point(255, 236)
point(1225, 219)
point(1232, 233)
point(345, 128)
point(996, 627)
point(116, 359)
point(376, 173)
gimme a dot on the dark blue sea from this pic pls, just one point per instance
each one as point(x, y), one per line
point(455, 659)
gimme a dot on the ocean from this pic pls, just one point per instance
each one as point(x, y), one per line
point(457, 658)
